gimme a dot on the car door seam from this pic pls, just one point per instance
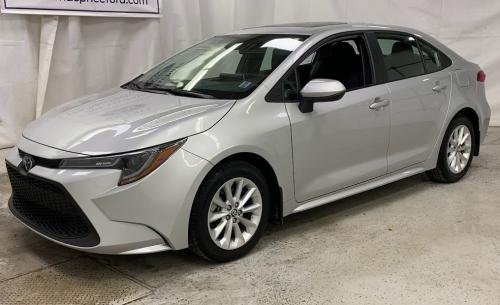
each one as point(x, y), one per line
point(390, 129)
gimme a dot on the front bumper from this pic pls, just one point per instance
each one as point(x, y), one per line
point(147, 216)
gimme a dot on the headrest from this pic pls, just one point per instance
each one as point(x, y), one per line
point(402, 47)
point(278, 57)
point(343, 50)
point(340, 50)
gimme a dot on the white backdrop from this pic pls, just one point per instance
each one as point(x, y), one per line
point(54, 60)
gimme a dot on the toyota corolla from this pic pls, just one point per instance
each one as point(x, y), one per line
point(243, 129)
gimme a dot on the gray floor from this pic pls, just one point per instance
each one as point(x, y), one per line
point(411, 242)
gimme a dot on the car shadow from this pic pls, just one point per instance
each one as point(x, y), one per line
point(323, 215)
point(356, 204)
point(158, 268)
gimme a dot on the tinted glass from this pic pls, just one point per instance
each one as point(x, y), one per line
point(290, 87)
point(401, 56)
point(434, 60)
point(342, 60)
point(223, 67)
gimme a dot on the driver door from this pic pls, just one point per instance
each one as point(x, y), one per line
point(344, 142)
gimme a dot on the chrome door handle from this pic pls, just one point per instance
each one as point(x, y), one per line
point(379, 104)
point(438, 88)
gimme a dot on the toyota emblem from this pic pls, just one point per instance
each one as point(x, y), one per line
point(28, 162)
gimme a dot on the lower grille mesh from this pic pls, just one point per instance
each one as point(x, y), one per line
point(48, 208)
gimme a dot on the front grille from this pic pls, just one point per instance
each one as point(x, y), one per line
point(48, 208)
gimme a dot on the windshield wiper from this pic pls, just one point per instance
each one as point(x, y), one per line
point(177, 91)
point(133, 84)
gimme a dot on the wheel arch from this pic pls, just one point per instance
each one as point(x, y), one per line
point(472, 115)
point(276, 215)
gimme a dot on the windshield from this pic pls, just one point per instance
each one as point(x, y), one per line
point(223, 67)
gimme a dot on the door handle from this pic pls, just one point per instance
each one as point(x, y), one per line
point(379, 104)
point(438, 88)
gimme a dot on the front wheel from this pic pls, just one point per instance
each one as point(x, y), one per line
point(230, 212)
point(456, 153)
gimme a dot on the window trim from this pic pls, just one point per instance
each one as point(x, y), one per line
point(272, 97)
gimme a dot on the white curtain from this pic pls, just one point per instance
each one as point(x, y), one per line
point(49, 60)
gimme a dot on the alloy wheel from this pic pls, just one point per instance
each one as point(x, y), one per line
point(459, 149)
point(234, 213)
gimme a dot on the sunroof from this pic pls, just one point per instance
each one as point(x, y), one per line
point(307, 24)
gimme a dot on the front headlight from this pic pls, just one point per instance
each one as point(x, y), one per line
point(134, 165)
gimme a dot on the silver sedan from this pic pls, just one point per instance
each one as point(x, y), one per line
point(243, 129)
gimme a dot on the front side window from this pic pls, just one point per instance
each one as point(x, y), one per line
point(401, 56)
point(343, 60)
point(225, 67)
point(434, 60)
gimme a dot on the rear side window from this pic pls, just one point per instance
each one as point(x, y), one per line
point(434, 60)
point(401, 56)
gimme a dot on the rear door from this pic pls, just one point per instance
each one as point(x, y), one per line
point(420, 93)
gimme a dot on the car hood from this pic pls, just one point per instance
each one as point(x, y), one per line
point(124, 120)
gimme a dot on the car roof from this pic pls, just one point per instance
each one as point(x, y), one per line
point(311, 28)
point(329, 28)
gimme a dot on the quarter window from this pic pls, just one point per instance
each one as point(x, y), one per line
point(434, 60)
point(401, 56)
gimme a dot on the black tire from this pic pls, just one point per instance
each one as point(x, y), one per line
point(442, 172)
point(200, 241)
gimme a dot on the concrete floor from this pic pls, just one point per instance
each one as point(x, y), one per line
point(410, 242)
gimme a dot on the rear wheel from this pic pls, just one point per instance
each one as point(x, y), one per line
point(456, 153)
point(230, 212)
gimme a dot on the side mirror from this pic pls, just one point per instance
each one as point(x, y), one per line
point(320, 90)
